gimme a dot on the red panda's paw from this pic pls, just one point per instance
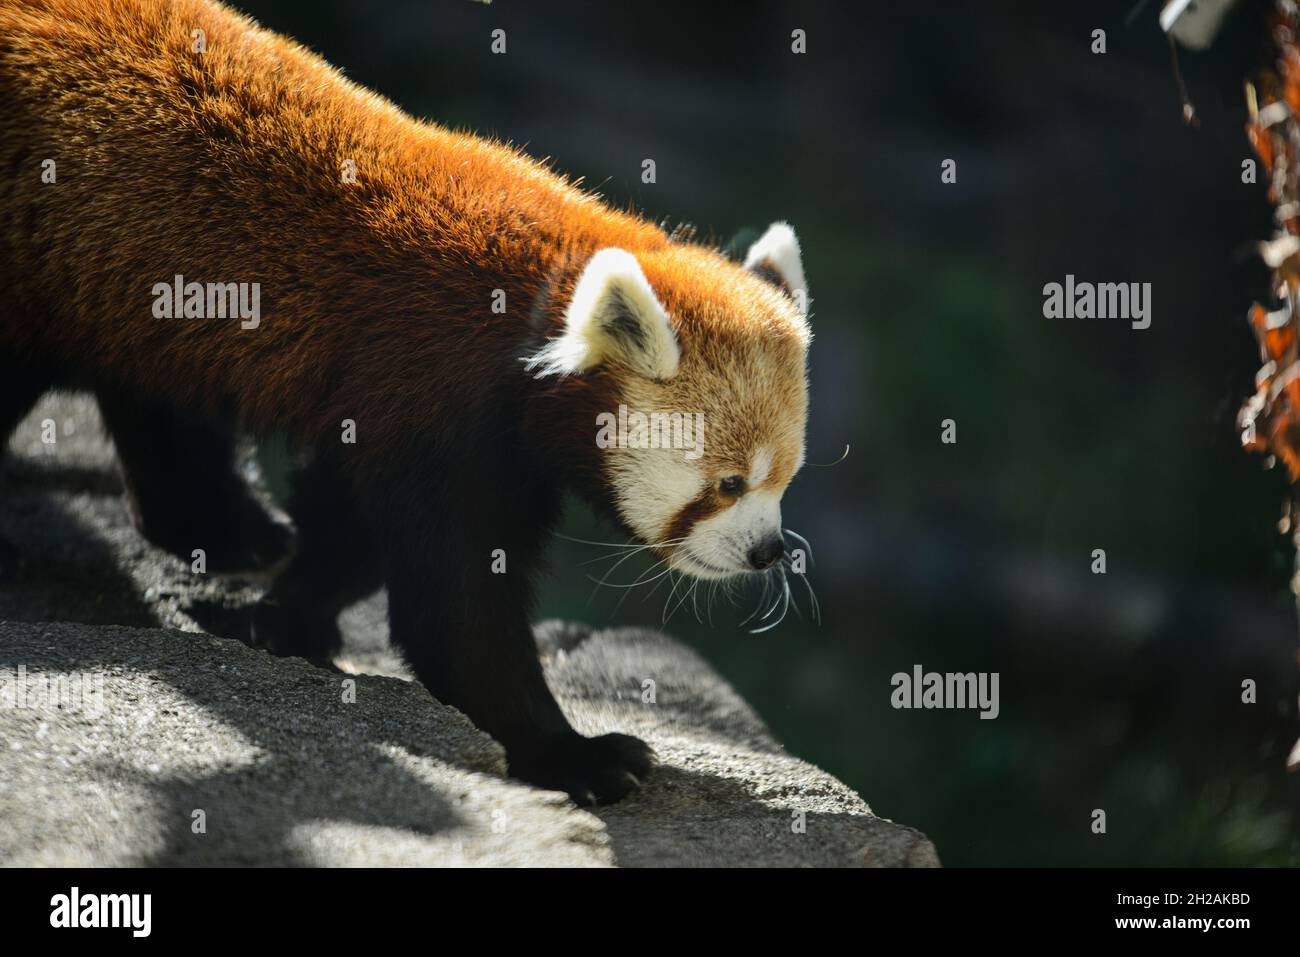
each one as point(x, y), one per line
point(257, 541)
point(591, 770)
point(247, 539)
point(8, 562)
point(291, 632)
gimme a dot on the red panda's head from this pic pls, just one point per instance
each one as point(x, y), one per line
point(707, 362)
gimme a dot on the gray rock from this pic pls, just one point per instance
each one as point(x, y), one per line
point(129, 735)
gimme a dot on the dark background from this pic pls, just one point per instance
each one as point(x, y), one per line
point(1119, 691)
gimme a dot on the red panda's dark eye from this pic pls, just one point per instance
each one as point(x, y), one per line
point(732, 485)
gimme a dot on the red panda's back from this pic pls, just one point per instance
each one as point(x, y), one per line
point(183, 140)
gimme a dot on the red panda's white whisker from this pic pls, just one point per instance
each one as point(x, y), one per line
point(685, 595)
point(694, 595)
point(681, 601)
point(776, 602)
point(787, 560)
point(801, 540)
point(643, 580)
point(658, 584)
point(603, 582)
point(587, 541)
point(605, 578)
point(762, 599)
point(731, 588)
point(677, 580)
point(826, 465)
point(630, 548)
point(816, 607)
point(785, 607)
point(767, 586)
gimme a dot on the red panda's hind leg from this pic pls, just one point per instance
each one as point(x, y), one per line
point(20, 386)
point(183, 488)
point(333, 565)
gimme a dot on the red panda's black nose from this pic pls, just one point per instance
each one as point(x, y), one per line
point(766, 553)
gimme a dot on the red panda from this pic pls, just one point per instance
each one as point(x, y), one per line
point(154, 149)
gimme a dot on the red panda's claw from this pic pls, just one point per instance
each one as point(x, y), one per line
point(590, 770)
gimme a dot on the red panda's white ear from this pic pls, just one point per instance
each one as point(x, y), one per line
point(776, 257)
point(614, 314)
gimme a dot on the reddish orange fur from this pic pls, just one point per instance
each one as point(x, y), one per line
point(226, 166)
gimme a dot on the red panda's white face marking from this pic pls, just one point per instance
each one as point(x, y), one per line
point(744, 533)
point(761, 467)
point(709, 363)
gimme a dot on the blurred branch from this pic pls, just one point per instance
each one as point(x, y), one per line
point(1270, 419)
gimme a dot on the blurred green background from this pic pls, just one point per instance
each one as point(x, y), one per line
point(1119, 691)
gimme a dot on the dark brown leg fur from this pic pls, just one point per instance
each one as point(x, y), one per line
point(20, 387)
point(333, 566)
point(183, 487)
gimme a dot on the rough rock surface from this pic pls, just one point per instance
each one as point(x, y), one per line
point(130, 736)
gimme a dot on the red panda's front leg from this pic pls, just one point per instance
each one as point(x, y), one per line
point(459, 551)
